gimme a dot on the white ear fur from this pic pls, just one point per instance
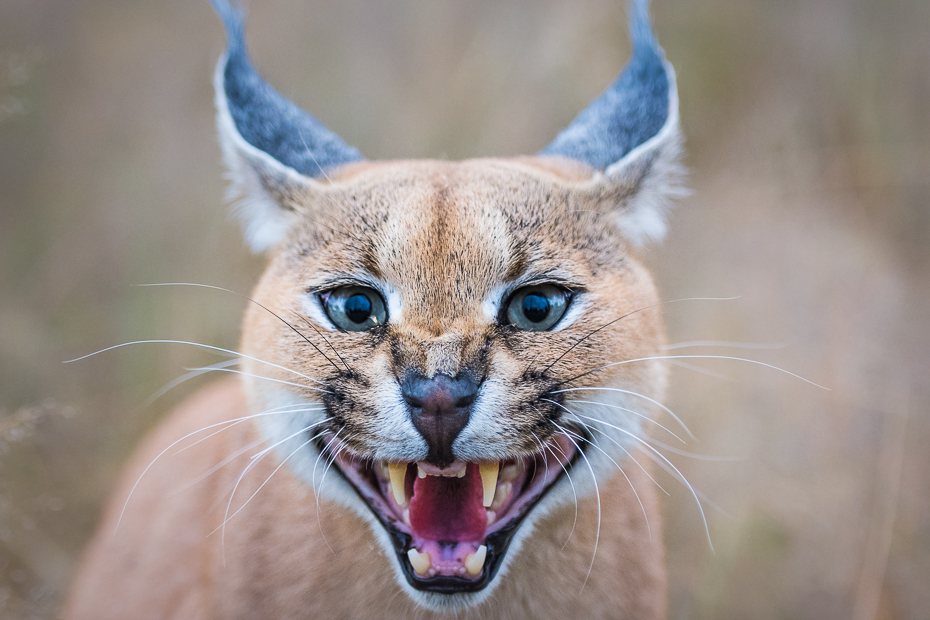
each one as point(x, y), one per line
point(654, 171)
point(257, 180)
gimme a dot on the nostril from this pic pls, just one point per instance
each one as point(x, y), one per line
point(412, 400)
point(466, 400)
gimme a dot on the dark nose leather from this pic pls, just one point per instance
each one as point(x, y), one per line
point(439, 408)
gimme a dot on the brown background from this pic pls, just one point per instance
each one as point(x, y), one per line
point(809, 145)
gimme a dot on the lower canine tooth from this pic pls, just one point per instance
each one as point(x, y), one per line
point(474, 562)
point(488, 480)
point(421, 562)
point(398, 473)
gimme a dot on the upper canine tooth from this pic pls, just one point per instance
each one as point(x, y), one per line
point(421, 562)
point(489, 473)
point(398, 474)
point(474, 562)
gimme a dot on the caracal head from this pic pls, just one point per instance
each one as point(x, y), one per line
point(445, 334)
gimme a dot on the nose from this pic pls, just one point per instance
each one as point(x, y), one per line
point(440, 407)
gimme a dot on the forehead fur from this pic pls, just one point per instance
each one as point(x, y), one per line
point(448, 232)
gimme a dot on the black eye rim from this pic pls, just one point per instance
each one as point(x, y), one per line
point(375, 297)
point(568, 295)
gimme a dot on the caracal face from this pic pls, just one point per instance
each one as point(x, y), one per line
point(443, 257)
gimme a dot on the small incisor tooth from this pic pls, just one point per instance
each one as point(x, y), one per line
point(398, 473)
point(474, 562)
point(421, 562)
point(421, 473)
point(488, 480)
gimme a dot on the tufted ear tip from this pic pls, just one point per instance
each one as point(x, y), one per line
point(272, 148)
point(631, 133)
point(633, 109)
point(233, 18)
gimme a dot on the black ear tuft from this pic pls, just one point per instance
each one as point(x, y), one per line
point(630, 133)
point(268, 121)
point(633, 109)
point(273, 149)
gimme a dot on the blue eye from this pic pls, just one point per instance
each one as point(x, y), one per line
point(537, 308)
point(355, 308)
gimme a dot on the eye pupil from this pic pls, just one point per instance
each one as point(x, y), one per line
point(358, 308)
point(535, 308)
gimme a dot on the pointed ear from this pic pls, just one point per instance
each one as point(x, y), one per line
point(273, 150)
point(631, 135)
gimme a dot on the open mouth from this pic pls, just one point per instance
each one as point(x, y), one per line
point(451, 527)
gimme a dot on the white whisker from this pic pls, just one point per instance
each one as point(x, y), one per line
point(692, 455)
point(173, 444)
point(699, 369)
point(263, 307)
point(291, 436)
point(261, 486)
point(630, 456)
point(701, 495)
point(722, 343)
point(199, 346)
point(706, 357)
point(253, 461)
point(317, 462)
point(680, 477)
point(542, 449)
point(570, 482)
point(186, 377)
point(316, 491)
point(636, 413)
point(220, 465)
point(632, 393)
point(249, 374)
point(597, 494)
point(617, 465)
point(343, 444)
point(280, 410)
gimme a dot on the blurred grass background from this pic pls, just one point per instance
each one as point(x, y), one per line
point(808, 126)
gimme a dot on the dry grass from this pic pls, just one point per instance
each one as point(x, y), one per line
point(809, 143)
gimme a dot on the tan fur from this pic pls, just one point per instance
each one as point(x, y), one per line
point(161, 564)
point(445, 235)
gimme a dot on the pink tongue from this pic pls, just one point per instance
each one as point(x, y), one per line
point(449, 509)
